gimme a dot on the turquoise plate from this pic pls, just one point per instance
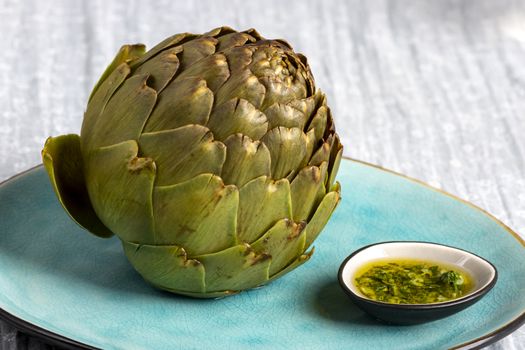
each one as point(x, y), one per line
point(65, 285)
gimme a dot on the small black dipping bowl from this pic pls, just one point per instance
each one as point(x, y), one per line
point(483, 273)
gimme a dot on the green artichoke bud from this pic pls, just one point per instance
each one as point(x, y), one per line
point(212, 157)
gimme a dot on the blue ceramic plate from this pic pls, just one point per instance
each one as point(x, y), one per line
point(61, 283)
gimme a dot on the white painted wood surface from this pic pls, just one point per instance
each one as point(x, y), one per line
point(433, 89)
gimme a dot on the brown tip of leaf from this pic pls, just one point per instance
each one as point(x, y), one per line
point(136, 164)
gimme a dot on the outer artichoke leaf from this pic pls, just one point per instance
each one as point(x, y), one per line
point(220, 31)
point(284, 242)
point(126, 54)
point(242, 84)
point(161, 68)
point(305, 105)
point(318, 123)
point(199, 214)
point(213, 69)
point(335, 161)
point(321, 216)
point(125, 114)
point(320, 98)
point(322, 154)
point(311, 143)
point(98, 102)
point(183, 102)
point(294, 264)
point(183, 153)
point(330, 126)
point(197, 49)
point(234, 39)
point(237, 116)
point(167, 267)
point(170, 42)
point(287, 149)
point(254, 34)
point(120, 185)
point(245, 160)
point(262, 202)
point(336, 187)
point(307, 190)
point(239, 58)
point(63, 162)
point(280, 114)
point(236, 268)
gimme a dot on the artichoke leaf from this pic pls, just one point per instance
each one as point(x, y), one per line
point(121, 185)
point(288, 147)
point(125, 114)
point(166, 266)
point(243, 85)
point(183, 153)
point(321, 216)
point(161, 68)
point(182, 102)
point(280, 114)
point(306, 105)
point(220, 31)
point(239, 58)
point(98, 102)
point(213, 69)
point(301, 259)
point(322, 154)
point(189, 213)
point(254, 34)
point(311, 143)
point(168, 43)
point(234, 39)
point(236, 268)
point(126, 54)
point(63, 162)
point(335, 161)
point(307, 190)
point(245, 160)
point(262, 202)
point(330, 126)
point(195, 50)
point(318, 122)
point(237, 116)
point(284, 242)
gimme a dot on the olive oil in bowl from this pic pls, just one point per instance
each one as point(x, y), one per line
point(411, 281)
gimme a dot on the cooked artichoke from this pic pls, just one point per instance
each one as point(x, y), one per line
point(212, 157)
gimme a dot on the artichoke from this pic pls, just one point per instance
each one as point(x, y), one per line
point(212, 157)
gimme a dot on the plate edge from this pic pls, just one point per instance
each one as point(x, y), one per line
point(43, 334)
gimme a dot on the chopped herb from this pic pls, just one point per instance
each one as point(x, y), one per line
point(412, 282)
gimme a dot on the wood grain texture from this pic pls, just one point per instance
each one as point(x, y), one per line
point(433, 89)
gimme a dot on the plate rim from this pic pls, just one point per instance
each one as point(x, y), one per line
point(477, 343)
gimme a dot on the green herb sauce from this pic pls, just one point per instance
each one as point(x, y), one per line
point(412, 282)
